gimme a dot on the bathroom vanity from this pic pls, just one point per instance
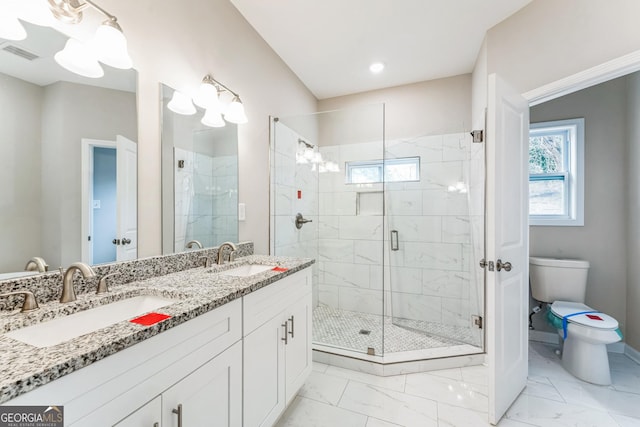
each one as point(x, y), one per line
point(237, 337)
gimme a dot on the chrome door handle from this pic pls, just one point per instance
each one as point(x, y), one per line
point(178, 412)
point(300, 221)
point(500, 265)
point(156, 424)
point(286, 337)
point(394, 246)
point(125, 241)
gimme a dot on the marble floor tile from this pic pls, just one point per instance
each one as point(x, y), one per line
point(626, 380)
point(395, 382)
point(320, 367)
point(542, 387)
point(456, 393)
point(625, 421)
point(548, 413)
point(323, 388)
point(374, 422)
point(309, 413)
point(475, 374)
point(389, 405)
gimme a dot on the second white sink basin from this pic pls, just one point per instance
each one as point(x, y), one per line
point(247, 270)
point(62, 329)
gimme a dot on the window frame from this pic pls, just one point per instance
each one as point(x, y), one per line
point(572, 177)
point(381, 166)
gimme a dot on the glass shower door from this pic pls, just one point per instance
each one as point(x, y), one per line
point(434, 205)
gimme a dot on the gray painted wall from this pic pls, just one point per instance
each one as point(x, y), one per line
point(19, 172)
point(602, 240)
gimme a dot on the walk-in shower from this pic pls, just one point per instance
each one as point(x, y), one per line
point(396, 226)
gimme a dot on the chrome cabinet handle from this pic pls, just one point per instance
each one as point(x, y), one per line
point(178, 412)
point(291, 331)
point(394, 238)
point(500, 265)
point(300, 221)
point(286, 332)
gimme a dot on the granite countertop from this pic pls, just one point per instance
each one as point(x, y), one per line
point(196, 291)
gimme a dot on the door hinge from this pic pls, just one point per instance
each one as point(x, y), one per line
point(478, 135)
point(477, 321)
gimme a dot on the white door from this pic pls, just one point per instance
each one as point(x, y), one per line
point(507, 241)
point(127, 183)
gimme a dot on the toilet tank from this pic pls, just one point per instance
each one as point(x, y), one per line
point(554, 279)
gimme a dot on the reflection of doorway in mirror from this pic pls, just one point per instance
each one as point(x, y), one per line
point(109, 200)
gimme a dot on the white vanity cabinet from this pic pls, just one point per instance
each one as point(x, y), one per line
point(149, 415)
point(277, 347)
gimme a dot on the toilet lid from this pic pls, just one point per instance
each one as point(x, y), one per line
point(594, 319)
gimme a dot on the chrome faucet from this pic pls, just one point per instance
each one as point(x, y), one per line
point(29, 303)
point(68, 293)
point(36, 264)
point(191, 243)
point(221, 248)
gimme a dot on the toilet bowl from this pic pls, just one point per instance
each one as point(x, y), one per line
point(561, 283)
point(586, 333)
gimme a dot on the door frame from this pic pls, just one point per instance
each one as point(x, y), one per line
point(601, 73)
point(86, 222)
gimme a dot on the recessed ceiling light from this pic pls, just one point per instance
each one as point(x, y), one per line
point(376, 67)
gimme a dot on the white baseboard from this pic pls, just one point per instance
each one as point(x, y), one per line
point(632, 353)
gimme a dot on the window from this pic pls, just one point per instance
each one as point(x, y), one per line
point(389, 170)
point(556, 173)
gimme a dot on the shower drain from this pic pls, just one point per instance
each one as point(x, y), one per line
point(364, 332)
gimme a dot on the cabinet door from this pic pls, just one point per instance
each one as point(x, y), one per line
point(264, 397)
point(298, 349)
point(209, 396)
point(146, 416)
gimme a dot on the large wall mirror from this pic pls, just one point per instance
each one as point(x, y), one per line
point(67, 159)
point(199, 180)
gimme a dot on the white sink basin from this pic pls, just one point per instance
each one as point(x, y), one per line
point(62, 329)
point(247, 270)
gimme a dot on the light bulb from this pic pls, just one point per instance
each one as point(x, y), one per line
point(110, 45)
point(181, 104)
point(36, 12)
point(235, 112)
point(207, 95)
point(79, 59)
point(213, 119)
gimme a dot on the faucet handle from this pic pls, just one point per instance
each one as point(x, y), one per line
point(207, 261)
point(102, 283)
point(29, 303)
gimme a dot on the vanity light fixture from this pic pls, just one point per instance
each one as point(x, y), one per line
point(108, 45)
point(208, 97)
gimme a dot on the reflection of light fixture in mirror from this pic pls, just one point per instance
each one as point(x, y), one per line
point(108, 46)
point(10, 27)
point(181, 104)
point(77, 58)
point(212, 118)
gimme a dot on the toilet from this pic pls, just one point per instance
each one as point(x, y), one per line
point(562, 284)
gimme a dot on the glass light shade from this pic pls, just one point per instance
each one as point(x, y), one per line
point(235, 112)
point(213, 119)
point(181, 104)
point(11, 28)
point(110, 46)
point(207, 97)
point(78, 58)
point(36, 12)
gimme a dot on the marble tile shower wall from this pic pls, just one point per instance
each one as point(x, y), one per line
point(289, 178)
point(431, 277)
point(47, 287)
point(205, 198)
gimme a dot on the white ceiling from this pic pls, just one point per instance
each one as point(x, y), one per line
point(329, 44)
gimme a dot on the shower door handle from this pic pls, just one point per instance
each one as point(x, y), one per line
point(394, 240)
